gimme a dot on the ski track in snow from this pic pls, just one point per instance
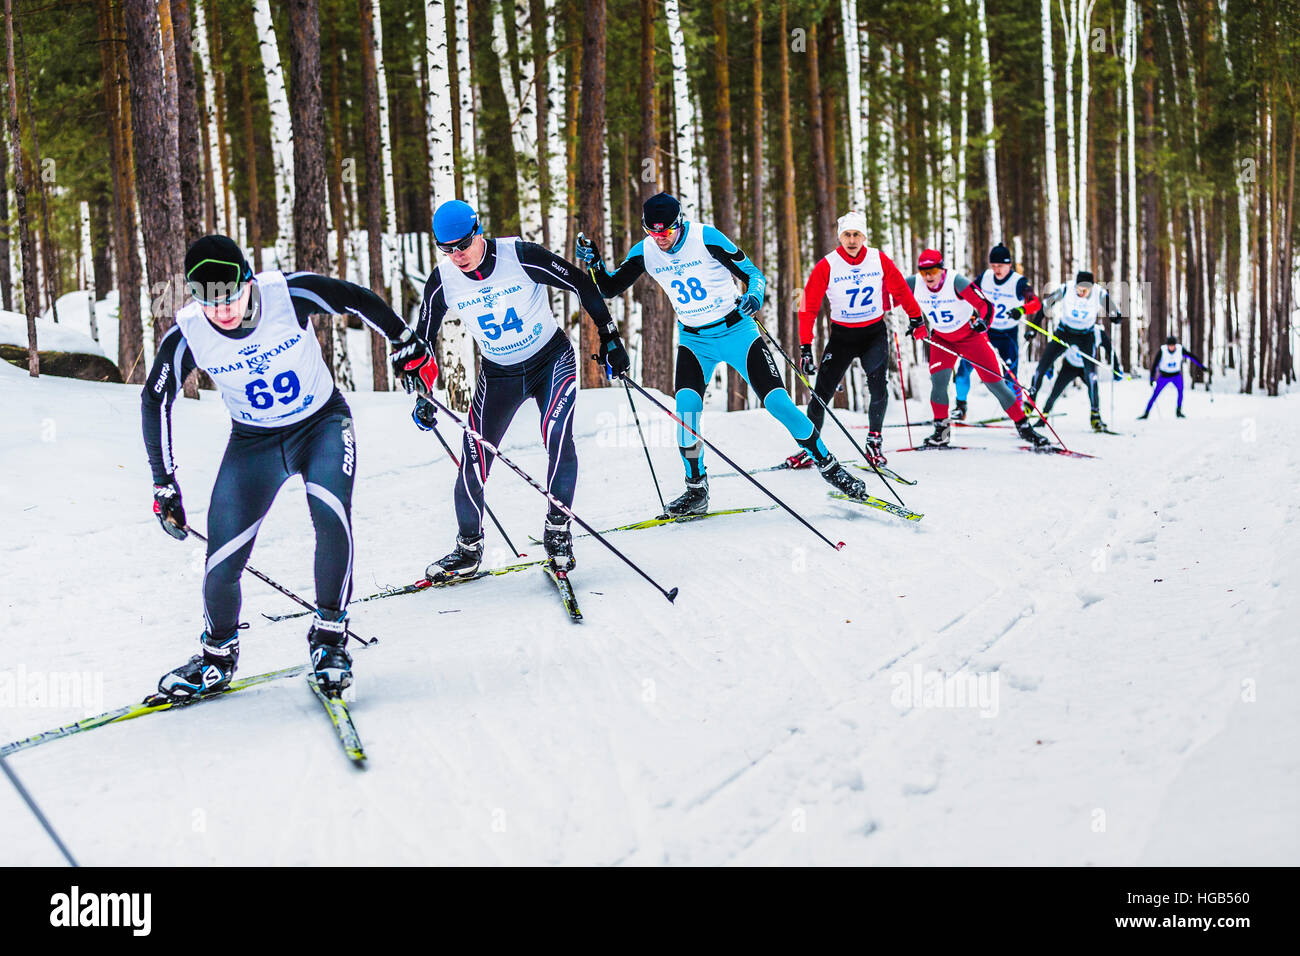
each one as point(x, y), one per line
point(753, 722)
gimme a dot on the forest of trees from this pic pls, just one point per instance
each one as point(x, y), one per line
point(1150, 141)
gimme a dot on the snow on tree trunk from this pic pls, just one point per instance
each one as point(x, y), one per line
point(390, 238)
point(1053, 231)
point(467, 110)
point(88, 257)
point(1070, 25)
point(1081, 177)
point(1136, 301)
point(853, 76)
point(281, 131)
point(555, 151)
point(215, 166)
point(522, 133)
point(438, 60)
point(684, 138)
point(990, 147)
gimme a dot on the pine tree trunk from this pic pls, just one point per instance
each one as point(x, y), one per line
point(724, 204)
point(374, 212)
point(189, 146)
point(30, 306)
point(656, 316)
point(591, 176)
point(250, 157)
point(786, 304)
point(46, 241)
point(6, 272)
point(310, 234)
point(157, 169)
point(1151, 223)
point(342, 359)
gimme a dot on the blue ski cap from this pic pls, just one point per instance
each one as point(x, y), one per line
point(455, 220)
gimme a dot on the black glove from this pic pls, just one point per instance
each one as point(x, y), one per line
point(1117, 318)
point(412, 358)
point(169, 510)
point(806, 360)
point(916, 327)
point(1029, 333)
point(613, 356)
point(978, 324)
point(425, 414)
point(1016, 313)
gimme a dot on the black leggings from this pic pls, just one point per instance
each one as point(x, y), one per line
point(1084, 338)
point(257, 462)
point(550, 378)
point(848, 342)
point(1067, 375)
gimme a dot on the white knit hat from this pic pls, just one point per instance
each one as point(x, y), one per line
point(852, 220)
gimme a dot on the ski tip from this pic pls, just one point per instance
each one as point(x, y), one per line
point(672, 596)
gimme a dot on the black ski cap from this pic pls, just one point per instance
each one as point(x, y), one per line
point(1171, 340)
point(215, 269)
point(1000, 254)
point(1084, 278)
point(661, 212)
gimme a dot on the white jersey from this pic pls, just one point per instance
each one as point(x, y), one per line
point(856, 293)
point(701, 289)
point(1079, 314)
point(272, 378)
point(1171, 362)
point(508, 313)
point(947, 311)
point(1003, 296)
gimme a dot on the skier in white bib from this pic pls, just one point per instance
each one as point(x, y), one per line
point(253, 335)
point(698, 267)
point(1167, 369)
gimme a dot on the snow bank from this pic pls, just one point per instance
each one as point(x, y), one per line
point(49, 336)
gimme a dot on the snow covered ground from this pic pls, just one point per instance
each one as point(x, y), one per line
point(1126, 628)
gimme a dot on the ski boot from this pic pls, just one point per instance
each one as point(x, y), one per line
point(558, 542)
point(800, 460)
point(693, 501)
point(874, 453)
point(208, 671)
point(839, 479)
point(942, 434)
point(461, 563)
point(1179, 412)
point(959, 412)
point(1026, 431)
point(1097, 424)
point(330, 659)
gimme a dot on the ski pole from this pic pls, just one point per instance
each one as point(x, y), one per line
point(287, 593)
point(799, 374)
point(1007, 372)
point(794, 514)
point(1094, 361)
point(456, 461)
point(902, 384)
point(36, 811)
point(637, 419)
point(555, 502)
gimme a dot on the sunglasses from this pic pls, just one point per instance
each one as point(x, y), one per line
point(217, 292)
point(460, 245)
point(661, 233)
point(931, 271)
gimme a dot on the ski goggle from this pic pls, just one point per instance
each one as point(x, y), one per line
point(217, 290)
point(664, 233)
point(460, 245)
point(930, 272)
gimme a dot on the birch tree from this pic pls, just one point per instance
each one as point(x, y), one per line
point(1053, 226)
point(215, 167)
point(281, 131)
point(684, 166)
point(990, 143)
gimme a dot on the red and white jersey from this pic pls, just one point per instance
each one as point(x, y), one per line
point(856, 293)
point(945, 307)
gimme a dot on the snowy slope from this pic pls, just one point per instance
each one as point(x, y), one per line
point(1115, 613)
point(50, 337)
